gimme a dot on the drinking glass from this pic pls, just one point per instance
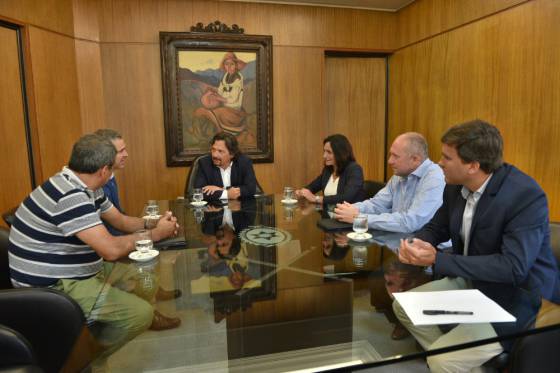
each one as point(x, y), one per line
point(360, 225)
point(143, 241)
point(198, 215)
point(288, 194)
point(197, 195)
point(152, 209)
point(289, 213)
point(359, 256)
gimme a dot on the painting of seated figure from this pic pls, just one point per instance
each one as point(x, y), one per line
point(221, 87)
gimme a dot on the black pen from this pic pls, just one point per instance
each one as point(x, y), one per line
point(444, 312)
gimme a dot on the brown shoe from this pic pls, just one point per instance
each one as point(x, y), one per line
point(161, 322)
point(399, 332)
point(163, 294)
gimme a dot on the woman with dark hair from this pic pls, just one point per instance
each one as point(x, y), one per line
point(342, 178)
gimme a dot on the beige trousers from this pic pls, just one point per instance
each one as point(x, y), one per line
point(431, 337)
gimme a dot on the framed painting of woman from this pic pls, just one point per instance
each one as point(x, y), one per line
point(214, 82)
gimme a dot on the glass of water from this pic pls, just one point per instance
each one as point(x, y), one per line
point(152, 209)
point(197, 195)
point(198, 215)
point(143, 241)
point(360, 225)
point(359, 256)
point(288, 194)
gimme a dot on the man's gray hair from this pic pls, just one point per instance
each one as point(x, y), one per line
point(108, 133)
point(417, 144)
point(91, 153)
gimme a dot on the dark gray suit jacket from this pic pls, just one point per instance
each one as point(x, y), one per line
point(242, 176)
point(350, 185)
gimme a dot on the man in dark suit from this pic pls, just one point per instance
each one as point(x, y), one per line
point(497, 219)
point(227, 174)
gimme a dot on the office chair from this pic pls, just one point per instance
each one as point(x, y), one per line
point(537, 352)
point(38, 326)
point(16, 352)
point(9, 216)
point(47, 320)
point(189, 184)
point(372, 187)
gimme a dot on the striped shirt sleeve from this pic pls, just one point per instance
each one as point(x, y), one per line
point(75, 212)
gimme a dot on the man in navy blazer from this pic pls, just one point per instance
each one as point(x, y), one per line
point(227, 174)
point(497, 219)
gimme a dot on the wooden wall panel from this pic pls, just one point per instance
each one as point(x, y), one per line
point(355, 106)
point(55, 15)
point(14, 161)
point(134, 107)
point(140, 21)
point(86, 19)
point(298, 119)
point(56, 97)
point(424, 18)
point(502, 69)
point(90, 85)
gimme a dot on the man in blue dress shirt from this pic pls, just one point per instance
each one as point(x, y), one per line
point(408, 201)
point(410, 198)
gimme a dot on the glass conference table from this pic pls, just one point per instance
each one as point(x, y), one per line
point(265, 289)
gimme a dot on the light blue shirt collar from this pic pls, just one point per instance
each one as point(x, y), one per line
point(422, 169)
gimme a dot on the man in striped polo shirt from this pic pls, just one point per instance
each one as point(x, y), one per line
point(58, 240)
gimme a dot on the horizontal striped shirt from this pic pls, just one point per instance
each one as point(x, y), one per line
point(43, 243)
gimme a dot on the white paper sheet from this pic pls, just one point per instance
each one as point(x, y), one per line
point(484, 309)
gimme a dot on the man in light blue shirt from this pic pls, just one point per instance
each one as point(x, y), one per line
point(412, 195)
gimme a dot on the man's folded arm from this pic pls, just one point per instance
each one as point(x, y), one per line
point(249, 180)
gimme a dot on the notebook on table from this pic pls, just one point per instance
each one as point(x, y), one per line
point(176, 241)
point(333, 225)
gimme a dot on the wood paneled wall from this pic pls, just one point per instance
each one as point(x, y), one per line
point(424, 18)
point(503, 69)
point(355, 104)
point(52, 83)
point(56, 97)
point(14, 160)
point(53, 15)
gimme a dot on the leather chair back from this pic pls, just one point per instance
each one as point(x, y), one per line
point(5, 282)
point(555, 240)
point(16, 351)
point(372, 187)
point(9, 216)
point(189, 184)
point(49, 320)
point(537, 353)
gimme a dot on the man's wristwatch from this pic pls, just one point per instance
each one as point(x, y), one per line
point(317, 199)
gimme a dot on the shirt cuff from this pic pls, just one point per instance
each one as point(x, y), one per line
point(224, 195)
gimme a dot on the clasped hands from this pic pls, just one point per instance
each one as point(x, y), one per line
point(345, 212)
point(417, 252)
point(167, 225)
point(232, 193)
